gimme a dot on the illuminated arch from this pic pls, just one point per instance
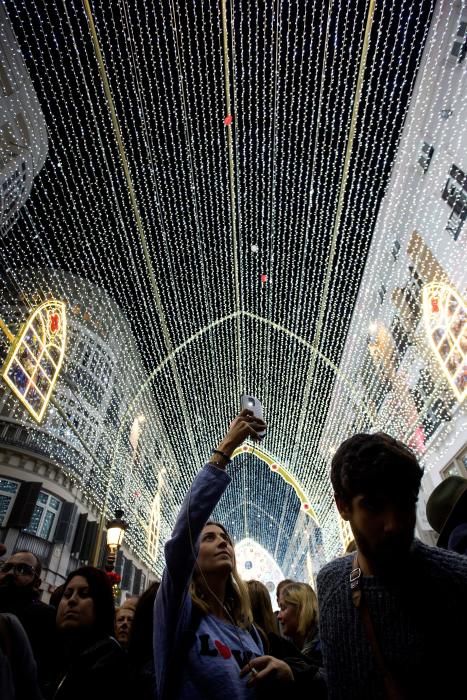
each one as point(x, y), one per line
point(153, 529)
point(36, 356)
point(282, 329)
point(255, 562)
point(274, 466)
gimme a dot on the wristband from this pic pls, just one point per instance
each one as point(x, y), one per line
point(222, 454)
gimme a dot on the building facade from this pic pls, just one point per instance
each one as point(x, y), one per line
point(58, 476)
point(23, 131)
point(406, 350)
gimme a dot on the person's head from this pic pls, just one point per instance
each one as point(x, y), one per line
point(130, 603)
point(22, 570)
point(87, 603)
point(446, 511)
point(376, 480)
point(298, 613)
point(216, 563)
point(123, 621)
point(281, 585)
point(142, 628)
point(261, 606)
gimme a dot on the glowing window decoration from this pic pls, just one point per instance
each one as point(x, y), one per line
point(153, 530)
point(36, 356)
point(444, 314)
point(282, 471)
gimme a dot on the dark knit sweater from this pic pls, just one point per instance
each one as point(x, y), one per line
point(420, 620)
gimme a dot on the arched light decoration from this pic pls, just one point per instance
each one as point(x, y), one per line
point(282, 471)
point(35, 358)
point(444, 315)
point(295, 175)
point(254, 562)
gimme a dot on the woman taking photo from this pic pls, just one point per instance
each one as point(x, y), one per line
point(205, 646)
point(90, 662)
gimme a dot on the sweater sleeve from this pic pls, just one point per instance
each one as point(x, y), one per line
point(172, 609)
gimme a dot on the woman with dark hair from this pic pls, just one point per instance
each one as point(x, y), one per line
point(90, 662)
point(205, 645)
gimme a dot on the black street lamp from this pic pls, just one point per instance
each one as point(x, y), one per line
point(115, 534)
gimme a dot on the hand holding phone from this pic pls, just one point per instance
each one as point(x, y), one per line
point(251, 403)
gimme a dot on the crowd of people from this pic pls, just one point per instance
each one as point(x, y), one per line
point(387, 620)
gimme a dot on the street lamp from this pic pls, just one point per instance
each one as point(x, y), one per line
point(115, 534)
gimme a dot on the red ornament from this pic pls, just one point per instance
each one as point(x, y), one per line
point(228, 120)
point(305, 506)
point(54, 323)
point(113, 577)
point(435, 305)
point(264, 278)
point(274, 467)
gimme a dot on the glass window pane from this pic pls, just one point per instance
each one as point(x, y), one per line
point(8, 486)
point(35, 520)
point(4, 504)
point(42, 498)
point(452, 470)
point(47, 525)
point(54, 503)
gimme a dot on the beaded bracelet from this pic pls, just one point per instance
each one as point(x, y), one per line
point(222, 454)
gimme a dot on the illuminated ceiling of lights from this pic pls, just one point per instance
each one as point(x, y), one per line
point(259, 139)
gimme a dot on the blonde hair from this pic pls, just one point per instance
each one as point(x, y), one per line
point(261, 606)
point(304, 598)
point(237, 600)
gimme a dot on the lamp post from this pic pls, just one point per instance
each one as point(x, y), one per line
point(115, 534)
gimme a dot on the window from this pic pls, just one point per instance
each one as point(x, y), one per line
point(411, 299)
point(454, 225)
point(457, 467)
point(401, 339)
point(8, 491)
point(395, 250)
point(45, 516)
point(459, 48)
point(455, 195)
point(426, 154)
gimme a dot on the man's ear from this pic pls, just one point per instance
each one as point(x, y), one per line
point(37, 583)
point(343, 507)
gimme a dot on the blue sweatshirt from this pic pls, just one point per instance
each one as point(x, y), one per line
point(210, 668)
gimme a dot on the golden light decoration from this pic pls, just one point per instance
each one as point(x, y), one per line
point(444, 314)
point(283, 472)
point(35, 358)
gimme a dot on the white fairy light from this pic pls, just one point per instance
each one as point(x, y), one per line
point(213, 230)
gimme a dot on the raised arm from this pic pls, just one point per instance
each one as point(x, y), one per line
point(173, 603)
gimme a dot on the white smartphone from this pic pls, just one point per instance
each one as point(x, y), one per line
point(254, 405)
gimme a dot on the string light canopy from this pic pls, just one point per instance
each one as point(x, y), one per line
point(215, 172)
